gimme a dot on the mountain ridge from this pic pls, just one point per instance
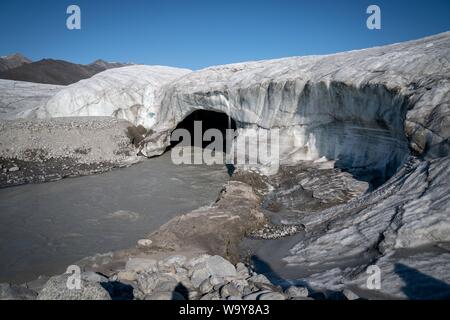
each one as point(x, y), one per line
point(51, 71)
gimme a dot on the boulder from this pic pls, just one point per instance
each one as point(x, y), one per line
point(56, 289)
point(15, 292)
point(295, 292)
point(141, 264)
point(272, 296)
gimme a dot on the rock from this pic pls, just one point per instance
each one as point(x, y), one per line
point(166, 268)
point(350, 295)
point(242, 270)
point(149, 282)
point(239, 283)
point(199, 275)
point(205, 286)
point(126, 276)
point(141, 264)
point(13, 169)
point(164, 295)
point(212, 266)
point(230, 289)
point(295, 292)
point(93, 277)
point(193, 295)
point(247, 290)
point(37, 284)
point(211, 296)
point(15, 292)
point(181, 271)
point(302, 298)
point(259, 279)
point(255, 295)
point(219, 267)
point(216, 281)
point(197, 260)
point(56, 289)
point(176, 261)
point(232, 298)
point(272, 296)
point(167, 286)
point(144, 243)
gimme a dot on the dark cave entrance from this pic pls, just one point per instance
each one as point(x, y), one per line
point(209, 120)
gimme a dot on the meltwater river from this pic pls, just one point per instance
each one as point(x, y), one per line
point(46, 227)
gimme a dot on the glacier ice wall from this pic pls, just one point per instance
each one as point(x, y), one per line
point(132, 93)
point(364, 109)
point(18, 99)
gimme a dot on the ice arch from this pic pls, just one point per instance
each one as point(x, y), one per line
point(362, 129)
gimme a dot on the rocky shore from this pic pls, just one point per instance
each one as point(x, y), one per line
point(34, 151)
point(175, 277)
point(195, 256)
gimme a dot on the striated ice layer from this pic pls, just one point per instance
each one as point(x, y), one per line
point(365, 109)
point(132, 93)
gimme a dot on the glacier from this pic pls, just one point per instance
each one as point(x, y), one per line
point(382, 112)
point(131, 93)
point(365, 109)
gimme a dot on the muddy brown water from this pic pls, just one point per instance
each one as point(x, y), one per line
point(46, 227)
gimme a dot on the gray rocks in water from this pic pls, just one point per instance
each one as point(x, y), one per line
point(56, 289)
point(270, 232)
point(15, 292)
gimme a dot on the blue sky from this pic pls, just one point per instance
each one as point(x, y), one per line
point(198, 33)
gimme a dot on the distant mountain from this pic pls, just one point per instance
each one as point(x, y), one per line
point(59, 72)
point(13, 61)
